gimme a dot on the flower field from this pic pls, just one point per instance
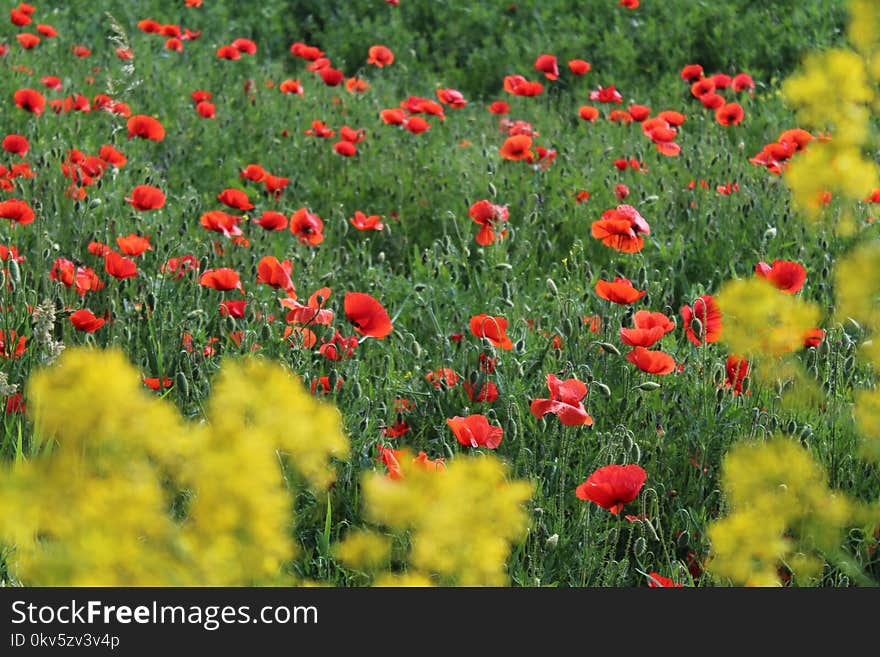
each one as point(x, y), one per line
point(418, 293)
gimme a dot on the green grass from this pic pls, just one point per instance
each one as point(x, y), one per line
point(425, 267)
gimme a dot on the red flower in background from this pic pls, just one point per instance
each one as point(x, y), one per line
point(652, 362)
point(364, 222)
point(613, 486)
point(235, 198)
point(145, 127)
point(786, 275)
point(313, 312)
point(708, 314)
point(488, 215)
point(475, 431)
point(118, 266)
point(565, 402)
point(222, 279)
point(367, 315)
point(146, 197)
point(18, 211)
point(16, 144)
point(620, 290)
point(30, 100)
point(579, 66)
point(270, 220)
point(493, 329)
point(276, 274)
point(547, 64)
point(736, 370)
point(85, 320)
point(132, 245)
point(380, 56)
point(658, 581)
point(307, 226)
point(621, 229)
point(487, 393)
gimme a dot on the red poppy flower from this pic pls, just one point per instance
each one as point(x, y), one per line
point(548, 66)
point(629, 4)
point(620, 290)
point(639, 112)
point(27, 40)
point(730, 114)
point(82, 278)
point(443, 376)
point(18, 211)
point(270, 220)
point(380, 56)
point(307, 226)
point(13, 345)
point(275, 184)
point(708, 313)
point(345, 148)
point(494, 329)
point(364, 222)
point(253, 172)
point(339, 347)
point(813, 338)
point(179, 266)
point(16, 144)
point(741, 82)
point(620, 229)
point(488, 215)
point(712, 101)
point(606, 95)
point(133, 245)
point(451, 97)
point(658, 581)
point(519, 86)
point(10, 253)
point(672, 117)
point(245, 46)
point(487, 393)
point(235, 198)
point(85, 320)
point(649, 329)
point(367, 315)
point(146, 197)
point(112, 156)
point(517, 148)
point(30, 100)
point(118, 266)
point(652, 362)
point(228, 52)
point(475, 431)
point(206, 110)
point(331, 77)
point(47, 30)
point(416, 125)
point(588, 113)
point(145, 127)
point(312, 313)
point(565, 402)
point(290, 86)
point(393, 116)
point(613, 486)
point(52, 82)
point(578, 66)
point(736, 370)
point(230, 308)
point(692, 72)
point(621, 116)
point(499, 107)
point(274, 273)
point(222, 279)
point(787, 276)
point(221, 222)
point(702, 87)
point(320, 129)
point(155, 383)
point(20, 18)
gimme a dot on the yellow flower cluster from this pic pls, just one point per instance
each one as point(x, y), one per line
point(782, 515)
point(462, 520)
point(759, 320)
point(132, 495)
point(835, 91)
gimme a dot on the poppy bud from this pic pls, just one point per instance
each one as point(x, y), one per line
point(493, 192)
point(381, 256)
point(266, 333)
point(770, 233)
point(605, 390)
point(697, 327)
point(552, 287)
point(639, 546)
point(14, 271)
point(791, 427)
point(648, 386)
point(504, 265)
point(607, 346)
point(567, 326)
point(719, 396)
point(551, 542)
point(182, 385)
point(520, 345)
point(417, 350)
point(505, 290)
